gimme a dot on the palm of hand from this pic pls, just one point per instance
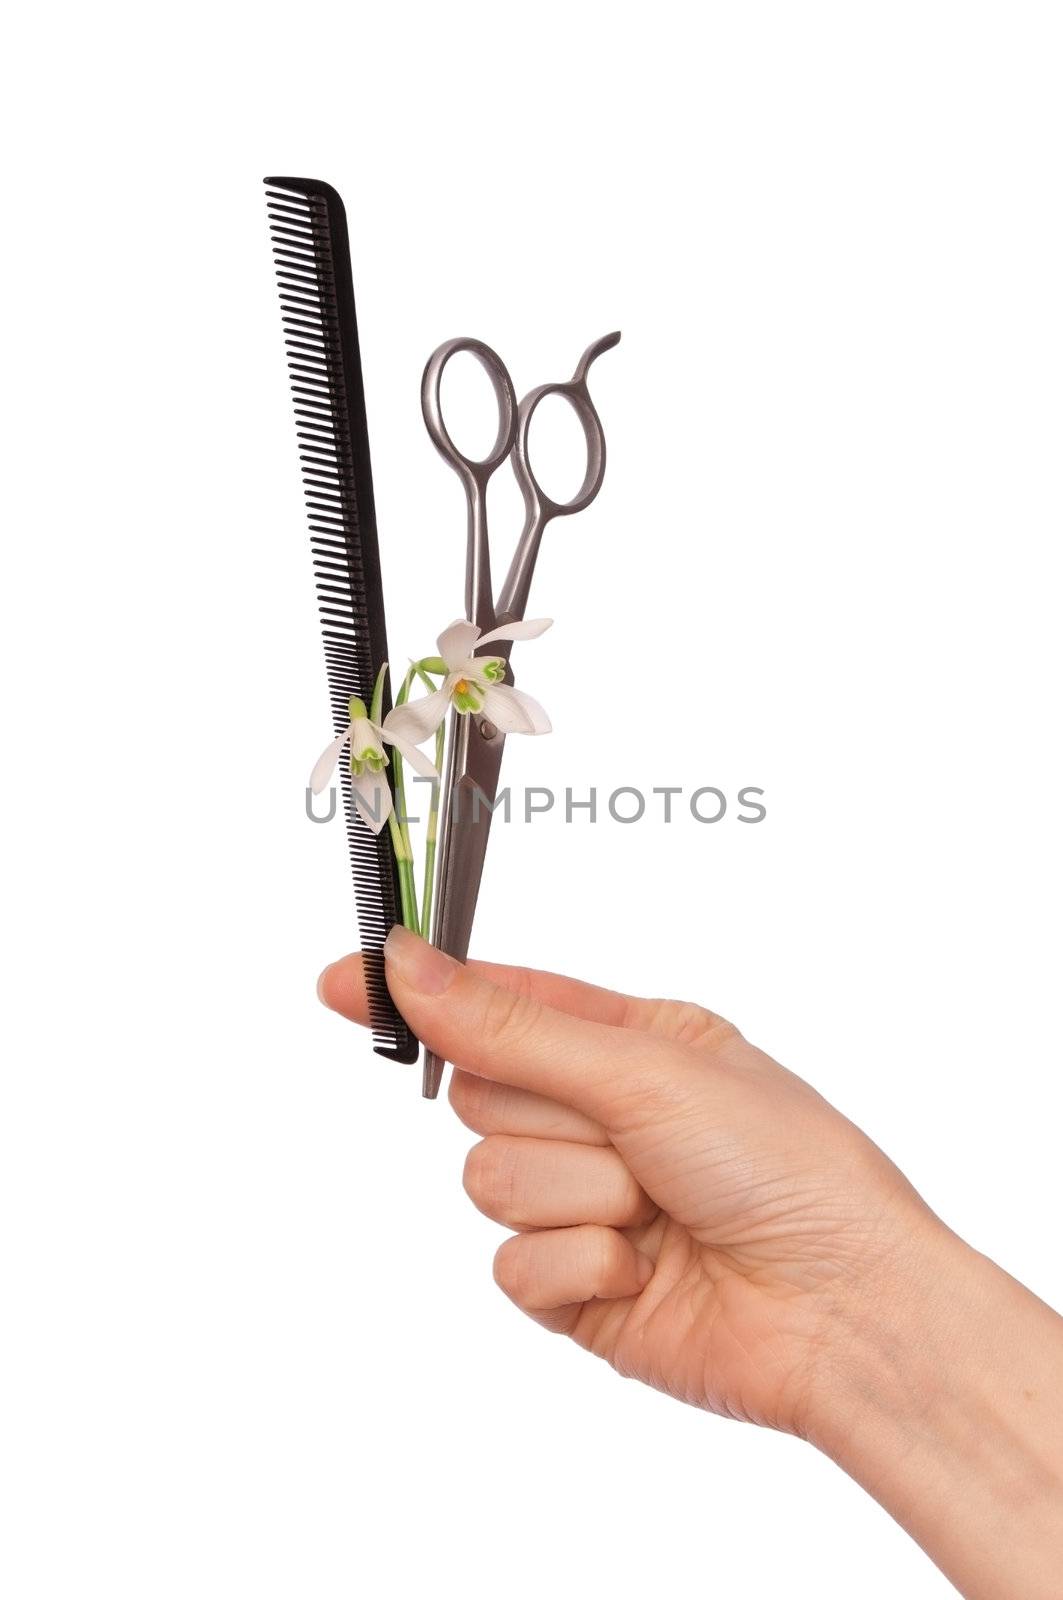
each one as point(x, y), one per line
point(772, 1215)
point(684, 1206)
point(705, 1222)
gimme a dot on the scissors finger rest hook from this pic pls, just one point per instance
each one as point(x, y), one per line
point(539, 507)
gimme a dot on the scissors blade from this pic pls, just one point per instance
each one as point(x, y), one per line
point(472, 786)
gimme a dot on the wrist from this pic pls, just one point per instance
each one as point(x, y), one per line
point(893, 1333)
point(942, 1394)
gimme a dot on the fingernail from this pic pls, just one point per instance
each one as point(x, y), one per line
point(417, 962)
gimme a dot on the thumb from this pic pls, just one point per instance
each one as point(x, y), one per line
point(616, 1075)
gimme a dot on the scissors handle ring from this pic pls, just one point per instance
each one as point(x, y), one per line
point(539, 507)
point(577, 394)
point(545, 505)
point(469, 467)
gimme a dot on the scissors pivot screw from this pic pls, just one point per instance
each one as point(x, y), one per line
point(487, 729)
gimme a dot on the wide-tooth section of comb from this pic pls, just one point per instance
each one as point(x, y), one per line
point(312, 258)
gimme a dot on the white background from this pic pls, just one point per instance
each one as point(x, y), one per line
point(251, 1342)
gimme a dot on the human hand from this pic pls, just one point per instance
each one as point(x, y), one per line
point(704, 1220)
point(686, 1208)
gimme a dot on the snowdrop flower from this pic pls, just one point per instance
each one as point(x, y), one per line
point(372, 792)
point(473, 683)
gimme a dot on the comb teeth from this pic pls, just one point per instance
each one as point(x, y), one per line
point(311, 256)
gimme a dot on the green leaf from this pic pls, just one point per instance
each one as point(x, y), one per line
point(378, 694)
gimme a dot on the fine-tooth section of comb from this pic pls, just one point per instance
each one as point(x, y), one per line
point(311, 255)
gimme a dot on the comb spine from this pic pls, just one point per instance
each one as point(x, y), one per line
point(312, 258)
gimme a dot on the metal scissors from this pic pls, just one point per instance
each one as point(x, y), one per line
point(475, 746)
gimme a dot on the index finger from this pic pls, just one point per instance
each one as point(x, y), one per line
point(342, 988)
point(614, 1074)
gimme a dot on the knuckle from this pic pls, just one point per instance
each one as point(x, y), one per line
point(469, 1097)
point(686, 1023)
point(509, 1017)
point(693, 1024)
point(521, 981)
point(636, 1205)
point(483, 1105)
point(475, 1175)
point(489, 1176)
point(511, 1270)
point(608, 1254)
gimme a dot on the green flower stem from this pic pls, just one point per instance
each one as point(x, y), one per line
point(423, 668)
point(400, 832)
point(399, 820)
point(376, 705)
point(400, 780)
point(400, 837)
point(430, 840)
point(407, 887)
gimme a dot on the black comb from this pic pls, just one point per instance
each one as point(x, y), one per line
point(312, 257)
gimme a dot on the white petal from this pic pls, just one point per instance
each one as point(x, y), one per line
point(457, 641)
point(364, 739)
point(417, 719)
point(409, 752)
point(472, 668)
point(516, 630)
point(372, 797)
point(325, 765)
point(512, 711)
